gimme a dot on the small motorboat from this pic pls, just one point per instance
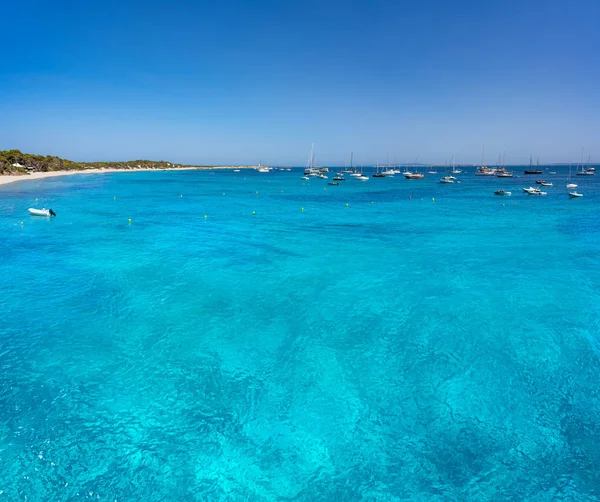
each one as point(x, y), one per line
point(322, 176)
point(414, 176)
point(305, 178)
point(574, 195)
point(362, 178)
point(534, 191)
point(503, 192)
point(236, 170)
point(571, 185)
point(539, 182)
point(545, 184)
point(379, 175)
point(333, 183)
point(447, 179)
point(41, 212)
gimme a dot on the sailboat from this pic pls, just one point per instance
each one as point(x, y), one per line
point(311, 170)
point(531, 170)
point(585, 172)
point(455, 170)
point(378, 174)
point(569, 184)
point(502, 172)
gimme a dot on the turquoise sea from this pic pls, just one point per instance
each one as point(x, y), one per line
point(395, 340)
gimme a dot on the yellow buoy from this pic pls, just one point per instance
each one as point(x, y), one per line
point(302, 209)
point(432, 199)
point(346, 205)
point(253, 212)
point(115, 197)
point(36, 199)
point(129, 220)
point(204, 216)
point(371, 202)
point(257, 193)
point(180, 195)
point(21, 223)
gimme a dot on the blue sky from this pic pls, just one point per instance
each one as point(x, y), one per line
point(232, 81)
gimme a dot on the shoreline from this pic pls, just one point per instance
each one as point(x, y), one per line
point(5, 179)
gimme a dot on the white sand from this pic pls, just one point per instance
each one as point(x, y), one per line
point(10, 178)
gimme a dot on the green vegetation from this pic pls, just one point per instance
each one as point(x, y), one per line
point(39, 163)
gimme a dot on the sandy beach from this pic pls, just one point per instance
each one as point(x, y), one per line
point(12, 178)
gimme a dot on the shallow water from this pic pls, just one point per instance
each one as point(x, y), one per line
point(377, 345)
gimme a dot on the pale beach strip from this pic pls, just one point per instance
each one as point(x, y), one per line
point(12, 178)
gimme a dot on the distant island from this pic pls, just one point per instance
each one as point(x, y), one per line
point(15, 162)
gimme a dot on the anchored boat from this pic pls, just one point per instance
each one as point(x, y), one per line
point(41, 212)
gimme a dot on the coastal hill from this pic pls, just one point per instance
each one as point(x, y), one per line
point(16, 162)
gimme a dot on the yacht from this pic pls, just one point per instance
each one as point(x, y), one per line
point(414, 176)
point(485, 171)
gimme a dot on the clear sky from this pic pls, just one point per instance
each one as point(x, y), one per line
point(231, 81)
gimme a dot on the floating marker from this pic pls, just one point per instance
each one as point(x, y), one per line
point(223, 193)
point(204, 216)
point(432, 199)
point(129, 220)
point(181, 195)
point(346, 205)
point(302, 210)
point(22, 222)
point(253, 212)
point(115, 197)
point(256, 193)
point(36, 199)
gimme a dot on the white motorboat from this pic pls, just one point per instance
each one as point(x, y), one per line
point(414, 176)
point(503, 192)
point(321, 175)
point(305, 178)
point(356, 175)
point(41, 212)
point(534, 191)
point(545, 184)
point(447, 179)
point(571, 185)
point(362, 178)
point(574, 195)
point(236, 170)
